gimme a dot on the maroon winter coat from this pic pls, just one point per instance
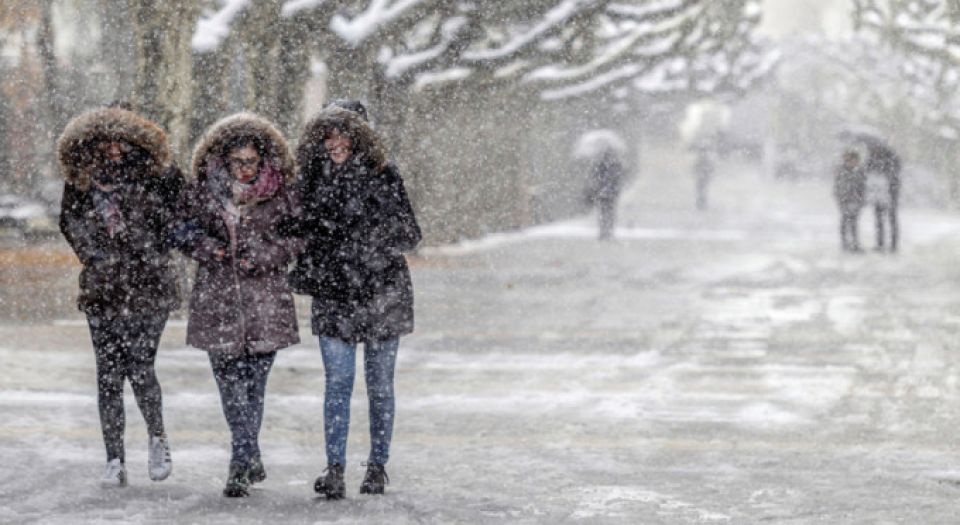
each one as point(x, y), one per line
point(234, 310)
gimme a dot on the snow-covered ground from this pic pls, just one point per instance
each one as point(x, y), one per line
point(724, 367)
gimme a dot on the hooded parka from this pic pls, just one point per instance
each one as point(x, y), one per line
point(117, 216)
point(236, 309)
point(357, 222)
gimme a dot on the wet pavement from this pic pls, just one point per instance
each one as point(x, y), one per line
point(730, 366)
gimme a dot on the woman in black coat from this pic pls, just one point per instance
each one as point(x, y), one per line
point(117, 209)
point(357, 222)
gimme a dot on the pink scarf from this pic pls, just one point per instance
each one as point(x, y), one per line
point(268, 182)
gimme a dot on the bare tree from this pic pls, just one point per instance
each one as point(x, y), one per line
point(164, 69)
point(923, 43)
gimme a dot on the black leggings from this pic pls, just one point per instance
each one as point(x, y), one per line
point(607, 213)
point(849, 237)
point(887, 213)
point(242, 380)
point(125, 348)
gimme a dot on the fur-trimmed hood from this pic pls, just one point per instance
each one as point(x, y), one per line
point(242, 124)
point(365, 139)
point(108, 123)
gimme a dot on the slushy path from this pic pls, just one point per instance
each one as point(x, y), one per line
point(730, 367)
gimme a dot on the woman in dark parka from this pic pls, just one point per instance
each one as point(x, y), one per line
point(357, 222)
point(118, 205)
point(241, 310)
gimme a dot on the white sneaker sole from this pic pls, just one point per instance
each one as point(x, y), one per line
point(160, 475)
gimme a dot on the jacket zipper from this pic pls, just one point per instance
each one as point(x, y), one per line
point(232, 231)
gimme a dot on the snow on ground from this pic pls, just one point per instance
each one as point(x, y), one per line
point(726, 367)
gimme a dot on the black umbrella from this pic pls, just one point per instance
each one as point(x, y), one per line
point(880, 155)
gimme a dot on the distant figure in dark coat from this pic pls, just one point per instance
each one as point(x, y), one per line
point(603, 189)
point(882, 170)
point(119, 202)
point(848, 189)
point(703, 170)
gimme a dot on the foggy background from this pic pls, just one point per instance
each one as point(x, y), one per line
point(728, 364)
point(508, 86)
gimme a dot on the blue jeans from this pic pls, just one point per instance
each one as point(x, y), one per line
point(339, 363)
point(242, 380)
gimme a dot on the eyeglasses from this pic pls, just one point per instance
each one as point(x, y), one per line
point(250, 162)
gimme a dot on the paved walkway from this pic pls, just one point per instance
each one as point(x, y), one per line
point(728, 367)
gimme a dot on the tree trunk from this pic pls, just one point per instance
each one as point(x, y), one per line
point(117, 46)
point(258, 32)
point(50, 98)
point(164, 69)
point(293, 73)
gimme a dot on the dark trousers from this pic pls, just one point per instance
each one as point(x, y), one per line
point(849, 236)
point(242, 381)
point(607, 210)
point(884, 214)
point(703, 184)
point(125, 349)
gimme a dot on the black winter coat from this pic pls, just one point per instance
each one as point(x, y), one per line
point(128, 273)
point(357, 222)
point(356, 230)
point(605, 180)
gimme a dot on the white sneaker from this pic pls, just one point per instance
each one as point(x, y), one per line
point(159, 464)
point(115, 474)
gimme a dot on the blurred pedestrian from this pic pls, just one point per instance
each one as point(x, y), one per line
point(119, 201)
point(603, 188)
point(849, 185)
point(703, 170)
point(241, 310)
point(882, 194)
point(357, 223)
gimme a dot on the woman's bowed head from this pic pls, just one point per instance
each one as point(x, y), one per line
point(338, 146)
point(342, 137)
point(244, 161)
point(100, 142)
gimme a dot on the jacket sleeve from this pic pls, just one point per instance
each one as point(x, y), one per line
point(396, 227)
point(186, 233)
point(169, 187)
point(75, 228)
point(274, 251)
point(307, 217)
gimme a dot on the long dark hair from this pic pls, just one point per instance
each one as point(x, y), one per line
point(241, 141)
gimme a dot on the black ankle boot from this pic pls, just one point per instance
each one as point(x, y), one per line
point(255, 472)
point(375, 479)
point(331, 483)
point(238, 482)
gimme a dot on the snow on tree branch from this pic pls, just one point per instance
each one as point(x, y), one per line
point(215, 27)
point(294, 7)
point(377, 15)
point(551, 20)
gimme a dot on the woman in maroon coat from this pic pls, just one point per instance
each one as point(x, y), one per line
point(241, 310)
